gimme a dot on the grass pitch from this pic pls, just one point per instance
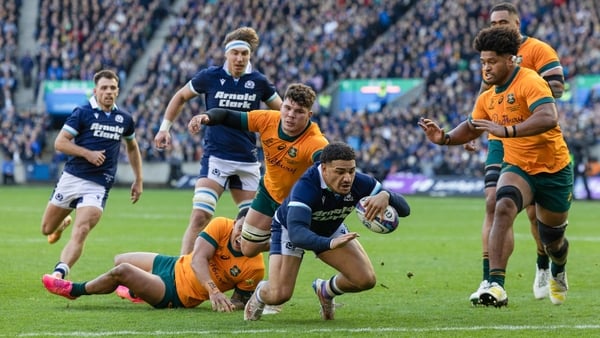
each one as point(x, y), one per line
point(426, 270)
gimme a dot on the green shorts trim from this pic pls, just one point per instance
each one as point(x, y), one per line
point(263, 202)
point(552, 191)
point(495, 154)
point(164, 267)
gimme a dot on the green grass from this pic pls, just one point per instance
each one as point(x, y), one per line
point(439, 244)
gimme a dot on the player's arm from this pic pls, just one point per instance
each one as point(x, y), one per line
point(298, 224)
point(461, 134)
point(275, 104)
point(215, 116)
point(556, 80)
point(177, 102)
point(64, 143)
point(135, 160)
point(174, 108)
point(398, 202)
point(203, 252)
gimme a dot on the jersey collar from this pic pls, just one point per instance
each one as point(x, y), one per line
point(95, 105)
point(500, 89)
point(248, 70)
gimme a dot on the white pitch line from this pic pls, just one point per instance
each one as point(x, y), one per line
point(332, 331)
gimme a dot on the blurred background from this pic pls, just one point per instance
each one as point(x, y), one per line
point(377, 67)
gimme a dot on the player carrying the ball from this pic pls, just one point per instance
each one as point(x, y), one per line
point(311, 218)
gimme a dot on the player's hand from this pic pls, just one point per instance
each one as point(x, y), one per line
point(434, 133)
point(196, 123)
point(221, 303)
point(96, 157)
point(162, 140)
point(490, 127)
point(136, 191)
point(470, 146)
point(376, 205)
point(342, 240)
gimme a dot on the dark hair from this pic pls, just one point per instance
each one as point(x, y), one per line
point(337, 151)
point(301, 94)
point(105, 73)
point(242, 213)
point(505, 6)
point(500, 39)
point(247, 34)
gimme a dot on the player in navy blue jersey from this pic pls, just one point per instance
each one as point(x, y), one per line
point(311, 218)
point(92, 137)
point(229, 160)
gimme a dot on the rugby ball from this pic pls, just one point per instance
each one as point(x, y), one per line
point(386, 225)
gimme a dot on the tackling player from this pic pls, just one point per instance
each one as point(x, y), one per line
point(291, 143)
point(215, 266)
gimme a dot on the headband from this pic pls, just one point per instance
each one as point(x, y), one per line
point(237, 44)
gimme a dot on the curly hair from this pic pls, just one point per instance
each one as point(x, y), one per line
point(500, 39)
point(247, 34)
point(337, 151)
point(301, 94)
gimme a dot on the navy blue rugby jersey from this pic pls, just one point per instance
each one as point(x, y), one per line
point(221, 90)
point(312, 212)
point(95, 129)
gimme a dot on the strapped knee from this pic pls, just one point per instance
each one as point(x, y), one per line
point(511, 192)
point(205, 199)
point(550, 234)
point(254, 234)
point(492, 174)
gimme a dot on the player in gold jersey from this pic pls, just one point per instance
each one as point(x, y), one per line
point(291, 144)
point(520, 110)
point(541, 57)
point(215, 266)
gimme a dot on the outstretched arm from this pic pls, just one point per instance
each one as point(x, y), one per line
point(215, 116)
point(462, 134)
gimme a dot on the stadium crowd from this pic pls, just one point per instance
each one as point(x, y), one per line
point(314, 42)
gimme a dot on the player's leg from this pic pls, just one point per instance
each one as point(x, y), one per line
point(89, 198)
point(284, 264)
point(493, 165)
point(553, 201)
point(256, 231)
point(147, 286)
point(206, 194)
point(247, 190)
point(56, 216)
point(355, 271)
point(512, 194)
point(355, 274)
point(54, 221)
point(541, 280)
point(86, 219)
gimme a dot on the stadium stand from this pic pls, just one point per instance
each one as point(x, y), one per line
point(318, 43)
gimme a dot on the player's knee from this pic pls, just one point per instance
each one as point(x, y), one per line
point(549, 235)
point(254, 236)
point(280, 294)
point(512, 193)
point(121, 271)
point(250, 249)
point(490, 203)
point(205, 199)
point(492, 174)
point(120, 258)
